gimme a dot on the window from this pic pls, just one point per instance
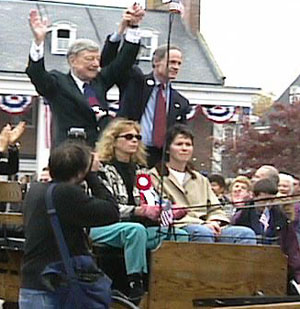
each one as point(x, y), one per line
point(294, 95)
point(149, 42)
point(63, 35)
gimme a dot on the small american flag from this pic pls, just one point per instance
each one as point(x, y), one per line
point(265, 218)
point(166, 215)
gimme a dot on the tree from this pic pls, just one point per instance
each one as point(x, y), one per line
point(278, 144)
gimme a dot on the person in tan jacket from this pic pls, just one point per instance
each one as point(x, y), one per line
point(185, 187)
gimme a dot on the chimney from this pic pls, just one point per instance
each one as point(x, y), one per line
point(191, 15)
point(156, 5)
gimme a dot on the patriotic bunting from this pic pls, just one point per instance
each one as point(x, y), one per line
point(218, 114)
point(15, 104)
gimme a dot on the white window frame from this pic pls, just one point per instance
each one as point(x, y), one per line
point(56, 41)
point(146, 52)
point(294, 94)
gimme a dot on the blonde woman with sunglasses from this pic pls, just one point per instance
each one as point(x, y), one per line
point(123, 159)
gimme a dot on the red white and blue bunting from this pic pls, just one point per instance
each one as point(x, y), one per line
point(217, 113)
point(15, 104)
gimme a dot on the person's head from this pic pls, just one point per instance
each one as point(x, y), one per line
point(217, 183)
point(296, 184)
point(45, 175)
point(159, 62)
point(286, 184)
point(240, 188)
point(70, 162)
point(264, 188)
point(266, 171)
point(179, 144)
point(84, 58)
point(121, 140)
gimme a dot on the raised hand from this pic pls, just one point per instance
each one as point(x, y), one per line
point(132, 16)
point(16, 132)
point(137, 14)
point(4, 137)
point(38, 26)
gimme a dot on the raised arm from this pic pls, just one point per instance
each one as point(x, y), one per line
point(38, 26)
point(116, 65)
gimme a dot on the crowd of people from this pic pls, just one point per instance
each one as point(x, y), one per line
point(140, 187)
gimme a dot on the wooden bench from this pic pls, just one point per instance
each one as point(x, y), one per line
point(182, 272)
point(10, 254)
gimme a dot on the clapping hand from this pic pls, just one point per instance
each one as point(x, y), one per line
point(9, 136)
point(4, 138)
point(16, 132)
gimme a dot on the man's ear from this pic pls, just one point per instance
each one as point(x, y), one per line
point(71, 60)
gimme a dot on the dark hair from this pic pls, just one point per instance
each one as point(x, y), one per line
point(68, 160)
point(219, 179)
point(265, 185)
point(161, 51)
point(176, 130)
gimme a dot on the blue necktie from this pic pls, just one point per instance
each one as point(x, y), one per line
point(90, 95)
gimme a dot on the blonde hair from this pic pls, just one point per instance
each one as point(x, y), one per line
point(242, 179)
point(106, 144)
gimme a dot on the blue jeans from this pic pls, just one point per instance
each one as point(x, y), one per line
point(229, 234)
point(36, 299)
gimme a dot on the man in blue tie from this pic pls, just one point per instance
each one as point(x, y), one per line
point(77, 100)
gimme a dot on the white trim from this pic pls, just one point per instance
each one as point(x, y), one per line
point(146, 51)
point(60, 46)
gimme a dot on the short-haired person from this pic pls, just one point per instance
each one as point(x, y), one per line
point(45, 175)
point(218, 185)
point(77, 99)
point(240, 194)
point(143, 97)
point(266, 171)
point(271, 225)
point(286, 190)
point(187, 188)
point(123, 159)
point(69, 165)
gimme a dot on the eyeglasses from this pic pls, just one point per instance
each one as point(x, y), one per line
point(130, 136)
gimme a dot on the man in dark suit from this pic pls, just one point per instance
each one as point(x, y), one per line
point(139, 96)
point(77, 99)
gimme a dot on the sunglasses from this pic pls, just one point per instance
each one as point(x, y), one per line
point(130, 136)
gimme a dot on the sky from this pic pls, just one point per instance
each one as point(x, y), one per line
point(256, 43)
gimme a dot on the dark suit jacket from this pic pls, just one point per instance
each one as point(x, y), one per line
point(11, 166)
point(136, 87)
point(68, 105)
point(283, 229)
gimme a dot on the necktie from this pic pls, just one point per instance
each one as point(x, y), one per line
point(90, 95)
point(160, 121)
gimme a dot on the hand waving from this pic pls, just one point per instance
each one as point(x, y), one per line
point(131, 17)
point(38, 26)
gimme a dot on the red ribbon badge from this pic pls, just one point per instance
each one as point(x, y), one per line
point(143, 182)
